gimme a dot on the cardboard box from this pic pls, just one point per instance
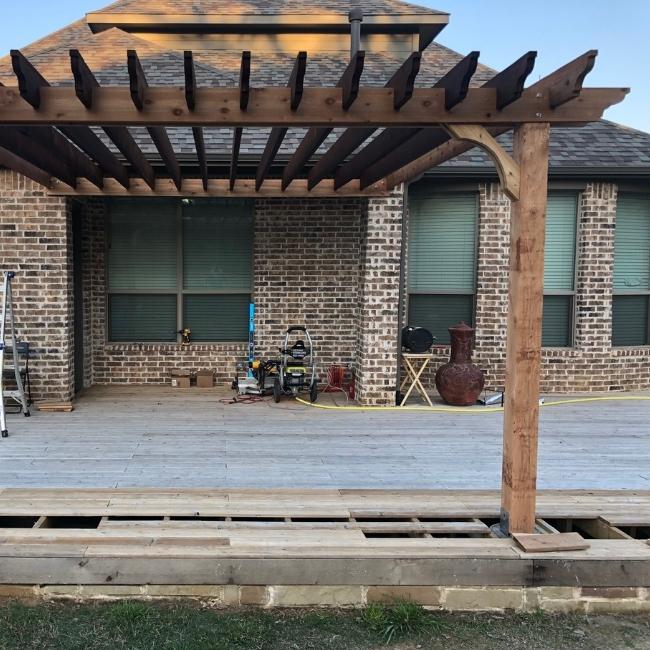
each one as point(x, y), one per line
point(180, 378)
point(205, 379)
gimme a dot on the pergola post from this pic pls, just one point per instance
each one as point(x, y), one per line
point(524, 335)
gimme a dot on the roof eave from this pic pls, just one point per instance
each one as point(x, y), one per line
point(234, 22)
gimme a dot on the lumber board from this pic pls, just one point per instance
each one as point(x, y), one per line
point(547, 543)
point(271, 106)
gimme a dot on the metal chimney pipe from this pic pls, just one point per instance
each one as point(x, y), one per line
point(356, 18)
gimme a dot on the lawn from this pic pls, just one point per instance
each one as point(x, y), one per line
point(403, 626)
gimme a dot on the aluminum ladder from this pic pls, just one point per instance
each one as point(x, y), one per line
point(18, 395)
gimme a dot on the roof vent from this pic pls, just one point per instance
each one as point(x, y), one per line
point(356, 18)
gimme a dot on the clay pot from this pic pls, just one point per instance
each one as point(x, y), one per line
point(460, 382)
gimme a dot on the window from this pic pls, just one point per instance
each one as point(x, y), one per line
point(559, 269)
point(173, 265)
point(631, 302)
point(442, 260)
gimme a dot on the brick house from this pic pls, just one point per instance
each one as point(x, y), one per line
point(104, 285)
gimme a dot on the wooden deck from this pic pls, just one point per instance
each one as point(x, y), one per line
point(315, 537)
point(162, 437)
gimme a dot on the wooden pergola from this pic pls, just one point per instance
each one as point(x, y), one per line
point(45, 134)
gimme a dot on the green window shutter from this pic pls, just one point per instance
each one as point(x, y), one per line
point(220, 317)
point(140, 318)
point(217, 246)
point(560, 250)
point(142, 245)
point(557, 321)
point(439, 312)
point(632, 243)
point(442, 242)
point(630, 320)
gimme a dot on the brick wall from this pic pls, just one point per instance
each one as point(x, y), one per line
point(305, 269)
point(36, 242)
point(592, 364)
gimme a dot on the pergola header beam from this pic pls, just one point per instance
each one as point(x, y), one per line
point(319, 107)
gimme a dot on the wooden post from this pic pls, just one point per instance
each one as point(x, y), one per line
point(523, 355)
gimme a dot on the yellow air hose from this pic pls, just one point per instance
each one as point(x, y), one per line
point(472, 410)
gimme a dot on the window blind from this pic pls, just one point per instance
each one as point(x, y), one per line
point(632, 243)
point(217, 246)
point(560, 250)
point(142, 245)
point(442, 242)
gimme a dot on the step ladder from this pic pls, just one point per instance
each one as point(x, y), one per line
point(7, 316)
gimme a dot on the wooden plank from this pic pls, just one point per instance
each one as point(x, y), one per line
point(37, 155)
point(86, 87)
point(87, 141)
point(30, 80)
point(274, 142)
point(509, 83)
point(138, 86)
point(71, 156)
point(524, 332)
point(319, 107)
point(353, 138)
point(244, 96)
point(403, 81)
point(55, 407)
point(244, 187)
point(456, 85)
point(548, 543)
point(349, 84)
point(190, 80)
point(16, 163)
point(569, 77)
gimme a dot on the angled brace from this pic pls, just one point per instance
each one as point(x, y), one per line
point(508, 169)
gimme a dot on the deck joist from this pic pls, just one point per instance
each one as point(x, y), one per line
point(316, 537)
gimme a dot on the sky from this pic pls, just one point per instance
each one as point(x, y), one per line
point(501, 29)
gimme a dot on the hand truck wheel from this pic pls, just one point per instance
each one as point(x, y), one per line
point(277, 390)
point(313, 392)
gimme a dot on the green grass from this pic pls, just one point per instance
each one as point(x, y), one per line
point(400, 625)
point(401, 619)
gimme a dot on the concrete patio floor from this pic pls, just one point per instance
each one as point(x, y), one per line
point(162, 437)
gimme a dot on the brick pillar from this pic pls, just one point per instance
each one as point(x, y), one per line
point(377, 320)
point(595, 269)
point(36, 242)
point(492, 283)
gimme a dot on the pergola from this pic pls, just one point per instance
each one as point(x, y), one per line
point(45, 134)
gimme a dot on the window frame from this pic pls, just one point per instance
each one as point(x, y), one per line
point(573, 311)
point(180, 291)
point(473, 189)
point(623, 292)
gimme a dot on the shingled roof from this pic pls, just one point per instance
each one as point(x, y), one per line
point(265, 7)
point(603, 145)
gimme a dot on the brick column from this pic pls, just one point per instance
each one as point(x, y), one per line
point(377, 320)
point(595, 269)
point(36, 242)
point(492, 283)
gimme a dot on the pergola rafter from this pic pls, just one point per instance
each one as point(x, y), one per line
point(421, 126)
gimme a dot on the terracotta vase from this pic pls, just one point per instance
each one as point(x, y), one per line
point(460, 382)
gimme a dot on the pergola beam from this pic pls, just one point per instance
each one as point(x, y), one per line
point(349, 84)
point(37, 155)
point(193, 187)
point(353, 138)
point(374, 108)
point(455, 83)
point(138, 86)
point(566, 83)
point(276, 137)
point(86, 87)
point(30, 83)
point(244, 96)
point(11, 161)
